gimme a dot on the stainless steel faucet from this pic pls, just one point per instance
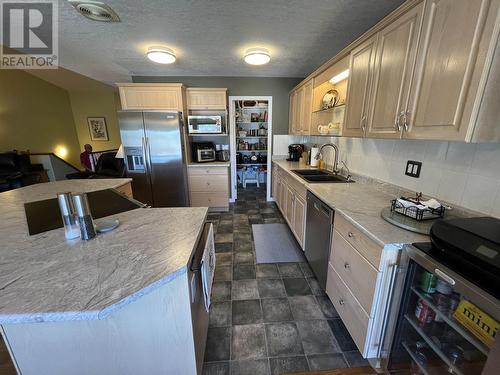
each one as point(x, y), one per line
point(336, 160)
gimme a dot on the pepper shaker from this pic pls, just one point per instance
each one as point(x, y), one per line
point(71, 229)
point(84, 216)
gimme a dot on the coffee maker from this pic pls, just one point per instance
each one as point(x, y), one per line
point(295, 152)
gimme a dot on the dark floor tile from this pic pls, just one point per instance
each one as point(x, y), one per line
point(255, 216)
point(218, 344)
point(250, 367)
point(317, 338)
point(276, 310)
point(256, 221)
point(326, 361)
point(271, 221)
point(243, 271)
point(284, 365)
point(223, 247)
point(223, 273)
point(225, 228)
point(216, 368)
point(244, 289)
point(244, 257)
point(221, 291)
point(242, 236)
point(297, 287)
point(242, 228)
point(224, 259)
point(253, 211)
point(327, 307)
point(269, 288)
point(273, 215)
point(316, 289)
point(355, 359)
point(220, 314)
point(226, 216)
point(267, 271)
point(248, 341)
point(265, 209)
point(305, 308)
point(223, 237)
point(342, 335)
point(306, 269)
point(283, 339)
point(247, 312)
point(290, 270)
point(243, 246)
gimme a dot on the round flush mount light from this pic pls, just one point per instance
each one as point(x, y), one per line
point(257, 56)
point(161, 55)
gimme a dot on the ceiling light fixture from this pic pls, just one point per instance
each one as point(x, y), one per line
point(161, 55)
point(340, 77)
point(257, 56)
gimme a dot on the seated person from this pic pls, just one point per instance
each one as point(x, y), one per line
point(86, 159)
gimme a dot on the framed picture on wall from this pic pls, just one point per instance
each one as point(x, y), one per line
point(97, 128)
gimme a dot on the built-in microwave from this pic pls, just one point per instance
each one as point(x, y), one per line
point(203, 124)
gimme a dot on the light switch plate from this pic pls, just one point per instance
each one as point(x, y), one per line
point(413, 168)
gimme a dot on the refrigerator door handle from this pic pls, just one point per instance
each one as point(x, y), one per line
point(385, 319)
point(144, 154)
point(148, 159)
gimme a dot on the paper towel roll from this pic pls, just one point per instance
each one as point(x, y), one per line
point(314, 152)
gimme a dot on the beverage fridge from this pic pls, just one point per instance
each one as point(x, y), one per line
point(154, 155)
point(445, 310)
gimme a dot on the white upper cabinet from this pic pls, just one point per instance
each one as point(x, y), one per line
point(142, 96)
point(429, 70)
point(394, 64)
point(361, 66)
point(452, 58)
point(206, 98)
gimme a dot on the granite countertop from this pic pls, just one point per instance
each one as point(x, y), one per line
point(361, 203)
point(210, 164)
point(48, 278)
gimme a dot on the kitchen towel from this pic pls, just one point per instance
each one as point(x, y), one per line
point(208, 267)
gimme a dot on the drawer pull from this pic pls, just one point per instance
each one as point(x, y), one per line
point(350, 234)
point(341, 302)
point(347, 266)
point(444, 276)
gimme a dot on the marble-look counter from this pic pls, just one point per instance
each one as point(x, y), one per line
point(45, 277)
point(361, 203)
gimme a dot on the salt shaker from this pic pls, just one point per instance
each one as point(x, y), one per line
point(71, 229)
point(84, 216)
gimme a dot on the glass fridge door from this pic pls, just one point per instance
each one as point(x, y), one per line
point(431, 335)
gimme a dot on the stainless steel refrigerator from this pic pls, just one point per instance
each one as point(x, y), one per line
point(153, 146)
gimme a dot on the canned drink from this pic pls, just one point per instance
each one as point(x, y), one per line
point(428, 282)
point(443, 287)
point(424, 313)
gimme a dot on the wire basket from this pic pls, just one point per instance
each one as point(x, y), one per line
point(416, 213)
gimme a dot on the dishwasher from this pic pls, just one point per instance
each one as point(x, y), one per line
point(319, 226)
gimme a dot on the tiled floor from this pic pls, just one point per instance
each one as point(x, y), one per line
point(268, 318)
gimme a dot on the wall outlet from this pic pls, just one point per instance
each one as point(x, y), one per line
point(413, 168)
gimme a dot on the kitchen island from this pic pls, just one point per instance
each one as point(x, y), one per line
point(117, 304)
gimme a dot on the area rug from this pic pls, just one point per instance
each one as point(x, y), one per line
point(274, 243)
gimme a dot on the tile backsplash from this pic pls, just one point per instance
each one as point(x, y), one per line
point(464, 174)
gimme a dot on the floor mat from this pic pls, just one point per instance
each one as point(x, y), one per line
point(274, 243)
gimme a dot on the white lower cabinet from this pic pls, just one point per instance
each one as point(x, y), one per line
point(360, 277)
point(209, 187)
point(290, 196)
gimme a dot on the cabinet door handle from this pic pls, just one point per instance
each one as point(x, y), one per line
point(350, 235)
point(405, 121)
point(341, 302)
point(347, 266)
point(399, 126)
point(363, 122)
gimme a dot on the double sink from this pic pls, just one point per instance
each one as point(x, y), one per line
point(319, 175)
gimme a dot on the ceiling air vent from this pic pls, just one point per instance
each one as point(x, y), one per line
point(95, 10)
